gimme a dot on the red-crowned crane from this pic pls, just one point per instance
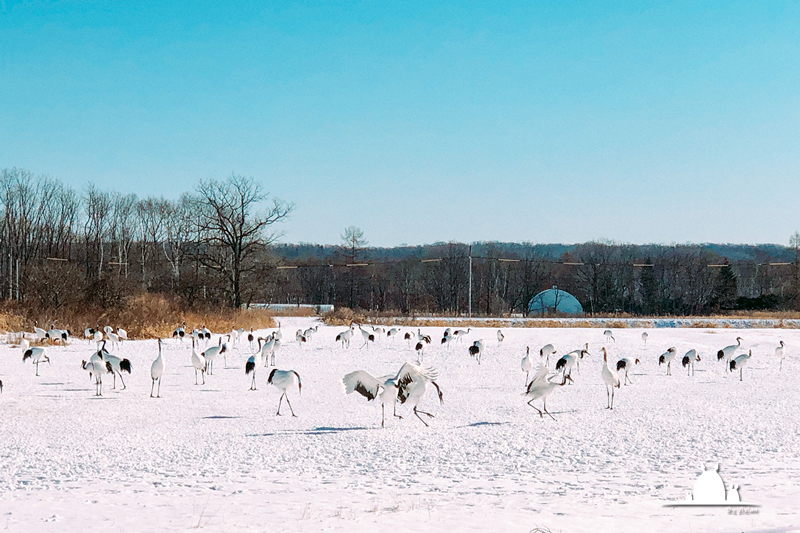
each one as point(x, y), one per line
point(540, 388)
point(36, 354)
point(610, 378)
point(739, 362)
point(157, 371)
point(545, 352)
point(211, 353)
point(566, 362)
point(689, 359)
point(283, 380)
point(459, 334)
point(728, 351)
point(385, 389)
point(527, 363)
point(780, 353)
point(476, 350)
point(199, 363)
point(345, 336)
point(626, 363)
point(412, 382)
point(367, 336)
point(609, 335)
point(500, 338)
point(180, 332)
point(667, 357)
point(253, 362)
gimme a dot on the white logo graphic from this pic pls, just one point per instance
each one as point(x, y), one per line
point(709, 490)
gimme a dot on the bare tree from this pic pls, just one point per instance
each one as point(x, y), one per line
point(231, 231)
point(353, 241)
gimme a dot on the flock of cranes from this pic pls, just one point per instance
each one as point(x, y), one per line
point(406, 387)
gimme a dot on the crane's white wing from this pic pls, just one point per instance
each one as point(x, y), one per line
point(540, 375)
point(409, 375)
point(363, 383)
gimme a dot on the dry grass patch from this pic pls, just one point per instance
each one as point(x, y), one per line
point(146, 316)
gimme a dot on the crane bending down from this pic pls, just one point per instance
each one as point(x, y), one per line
point(384, 388)
point(283, 380)
point(627, 363)
point(667, 357)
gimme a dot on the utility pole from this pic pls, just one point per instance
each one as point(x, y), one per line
point(470, 282)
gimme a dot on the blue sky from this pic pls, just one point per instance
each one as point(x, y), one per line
point(425, 121)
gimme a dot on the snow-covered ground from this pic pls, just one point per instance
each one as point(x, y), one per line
point(216, 457)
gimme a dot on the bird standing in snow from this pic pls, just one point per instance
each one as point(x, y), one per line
point(626, 364)
point(253, 362)
point(156, 371)
point(728, 351)
point(739, 362)
point(609, 335)
point(610, 378)
point(283, 380)
point(36, 354)
point(476, 350)
point(500, 338)
point(644, 337)
point(199, 363)
point(545, 352)
point(566, 362)
point(527, 363)
point(780, 353)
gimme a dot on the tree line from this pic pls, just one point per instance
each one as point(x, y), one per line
point(216, 246)
point(605, 277)
point(93, 248)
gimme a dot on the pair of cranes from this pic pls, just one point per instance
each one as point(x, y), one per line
point(408, 386)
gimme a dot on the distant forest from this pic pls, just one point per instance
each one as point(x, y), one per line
point(216, 246)
point(606, 277)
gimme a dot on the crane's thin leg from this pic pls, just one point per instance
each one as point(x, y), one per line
point(203, 373)
point(123, 382)
point(420, 418)
point(279, 405)
point(612, 398)
point(289, 404)
point(383, 415)
point(195, 376)
point(158, 395)
point(531, 404)
point(608, 398)
point(152, 386)
point(740, 374)
point(37, 369)
point(526, 379)
point(544, 404)
point(423, 412)
point(395, 411)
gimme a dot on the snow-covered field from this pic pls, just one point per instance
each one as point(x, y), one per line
point(216, 457)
